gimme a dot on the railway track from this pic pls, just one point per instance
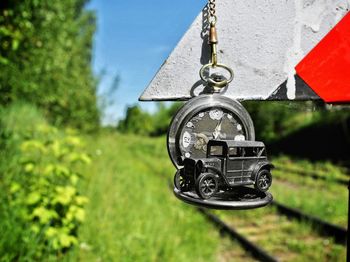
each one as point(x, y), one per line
point(253, 249)
point(249, 236)
point(276, 219)
point(281, 218)
point(323, 227)
point(325, 231)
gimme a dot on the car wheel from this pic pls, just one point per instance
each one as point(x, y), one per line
point(206, 185)
point(180, 181)
point(263, 180)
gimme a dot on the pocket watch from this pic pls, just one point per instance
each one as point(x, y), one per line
point(211, 143)
point(203, 118)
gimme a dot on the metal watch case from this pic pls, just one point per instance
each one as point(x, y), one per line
point(211, 113)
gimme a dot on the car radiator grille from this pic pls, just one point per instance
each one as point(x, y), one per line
point(189, 168)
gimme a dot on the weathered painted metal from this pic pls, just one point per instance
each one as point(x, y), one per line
point(326, 67)
point(262, 40)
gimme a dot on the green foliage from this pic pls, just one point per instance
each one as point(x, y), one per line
point(140, 122)
point(41, 207)
point(45, 59)
point(276, 119)
point(136, 121)
point(162, 118)
point(270, 118)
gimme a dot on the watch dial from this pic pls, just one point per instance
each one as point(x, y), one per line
point(206, 117)
point(213, 123)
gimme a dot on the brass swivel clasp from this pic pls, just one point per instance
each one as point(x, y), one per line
point(213, 41)
point(214, 81)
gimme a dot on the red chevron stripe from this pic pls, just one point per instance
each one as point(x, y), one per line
point(326, 69)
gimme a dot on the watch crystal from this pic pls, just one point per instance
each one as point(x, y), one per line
point(213, 123)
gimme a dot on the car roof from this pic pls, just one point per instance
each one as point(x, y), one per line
point(234, 143)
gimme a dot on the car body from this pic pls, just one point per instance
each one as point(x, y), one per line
point(228, 164)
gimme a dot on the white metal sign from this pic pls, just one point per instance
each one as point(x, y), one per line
point(262, 40)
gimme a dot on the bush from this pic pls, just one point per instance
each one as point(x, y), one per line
point(41, 208)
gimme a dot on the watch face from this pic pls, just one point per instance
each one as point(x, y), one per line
point(211, 123)
point(204, 118)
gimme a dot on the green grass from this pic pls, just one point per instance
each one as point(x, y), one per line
point(323, 169)
point(132, 215)
point(323, 198)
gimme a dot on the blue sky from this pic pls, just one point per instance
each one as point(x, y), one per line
point(133, 39)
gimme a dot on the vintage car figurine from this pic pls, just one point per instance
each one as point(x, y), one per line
point(228, 164)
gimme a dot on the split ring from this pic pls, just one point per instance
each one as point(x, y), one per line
point(211, 81)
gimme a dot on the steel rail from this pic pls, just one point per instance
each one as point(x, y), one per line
point(256, 251)
point(323, 227)
point(251, 248)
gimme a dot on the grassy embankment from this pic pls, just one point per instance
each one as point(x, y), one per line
point(133, 216)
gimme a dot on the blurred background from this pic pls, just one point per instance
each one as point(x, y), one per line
point(84, 169)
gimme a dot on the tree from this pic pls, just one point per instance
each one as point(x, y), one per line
point(162, 118)
point(271, 118)
point(45, 59)
point(136, 121)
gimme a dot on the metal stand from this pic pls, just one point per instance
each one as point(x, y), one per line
point(237, 199)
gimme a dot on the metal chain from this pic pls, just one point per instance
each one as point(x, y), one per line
point(212, 10)
point(217, 83)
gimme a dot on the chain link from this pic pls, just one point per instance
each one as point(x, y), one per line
point(212, 11)
point(212, 6)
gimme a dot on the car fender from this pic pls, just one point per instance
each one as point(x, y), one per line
point(261, 165)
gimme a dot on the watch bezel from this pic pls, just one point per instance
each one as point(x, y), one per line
point(194, 106)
